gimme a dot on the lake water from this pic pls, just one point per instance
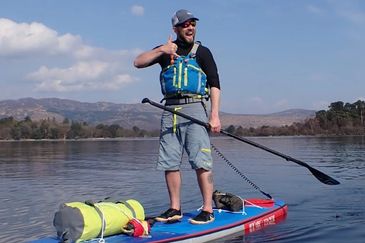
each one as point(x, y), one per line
point(37, 176)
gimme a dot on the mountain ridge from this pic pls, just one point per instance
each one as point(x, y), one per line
point(129, 115)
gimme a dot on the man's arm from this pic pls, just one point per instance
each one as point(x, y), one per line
point(145, 59)
point(214, 120)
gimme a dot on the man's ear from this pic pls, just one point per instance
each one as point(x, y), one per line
point(175, 30)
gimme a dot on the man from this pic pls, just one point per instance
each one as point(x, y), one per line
point(186, 90)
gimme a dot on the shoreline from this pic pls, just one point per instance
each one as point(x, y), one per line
point(79, 139)
point(156, 138)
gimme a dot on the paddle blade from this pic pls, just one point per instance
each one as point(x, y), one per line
point(322, 177)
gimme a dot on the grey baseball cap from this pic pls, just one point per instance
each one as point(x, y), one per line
point(181, 16)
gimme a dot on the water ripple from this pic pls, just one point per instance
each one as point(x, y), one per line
point(37, 177)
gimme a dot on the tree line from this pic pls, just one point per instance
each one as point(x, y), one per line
point(340, 119)
point(51, 129)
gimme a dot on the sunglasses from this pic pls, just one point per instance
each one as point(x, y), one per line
point(188, 23)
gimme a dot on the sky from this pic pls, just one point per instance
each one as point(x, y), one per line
point(272, 55)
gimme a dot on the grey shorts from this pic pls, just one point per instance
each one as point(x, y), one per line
point(179, 134)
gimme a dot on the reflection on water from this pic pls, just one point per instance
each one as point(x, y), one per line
point(37, 176)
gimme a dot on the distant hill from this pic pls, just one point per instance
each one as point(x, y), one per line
point(128, 115)
point(278, 119)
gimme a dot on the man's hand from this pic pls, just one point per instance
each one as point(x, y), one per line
point(170, 48)
point(215, 124)
point(214, 121)
point(144, 59)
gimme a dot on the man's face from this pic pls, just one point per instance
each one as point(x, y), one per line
point(186, 31)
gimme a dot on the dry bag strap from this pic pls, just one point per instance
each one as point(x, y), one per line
point(109, 199)
point(101, 215)
point(129, 207)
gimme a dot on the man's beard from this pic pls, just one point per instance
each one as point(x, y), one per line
point(187, 40)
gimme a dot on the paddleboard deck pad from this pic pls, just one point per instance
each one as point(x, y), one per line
point(257, 214)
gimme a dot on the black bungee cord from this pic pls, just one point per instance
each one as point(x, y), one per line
point(239, 172)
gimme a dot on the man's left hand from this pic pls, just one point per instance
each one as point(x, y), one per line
point(215, 125)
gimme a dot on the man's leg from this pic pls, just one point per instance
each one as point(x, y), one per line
point(205, 180)
point(173, 181)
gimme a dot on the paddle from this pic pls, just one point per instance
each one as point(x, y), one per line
point(322, 177)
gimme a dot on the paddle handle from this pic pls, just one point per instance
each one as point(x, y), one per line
point(206, 125)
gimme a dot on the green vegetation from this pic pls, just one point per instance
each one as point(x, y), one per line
point(50, 129)
point(339, 119)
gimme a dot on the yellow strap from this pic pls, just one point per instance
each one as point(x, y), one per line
point(175, 119)
point(185, 76)
point(174, 77)
point(180, 74)
point(206, 150)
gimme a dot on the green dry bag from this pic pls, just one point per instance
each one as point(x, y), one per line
point(79, 221)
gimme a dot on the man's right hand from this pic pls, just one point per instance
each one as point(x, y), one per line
point(170, 47)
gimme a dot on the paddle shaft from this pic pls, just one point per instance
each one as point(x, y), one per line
point(318, 174)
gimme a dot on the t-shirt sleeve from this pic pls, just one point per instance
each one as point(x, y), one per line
point(163, 60)
point(207, 63)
